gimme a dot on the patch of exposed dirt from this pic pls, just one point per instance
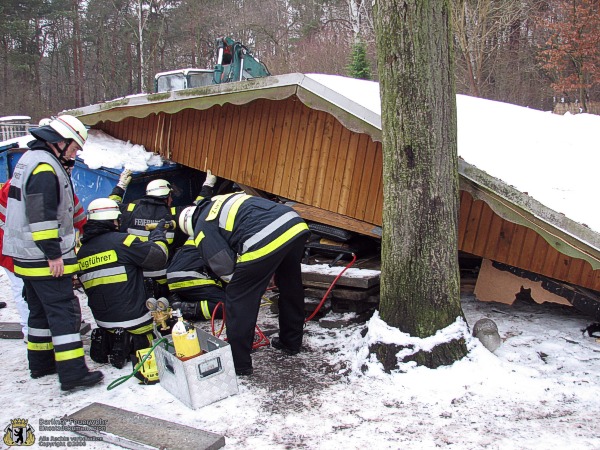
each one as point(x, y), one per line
point(292, 382)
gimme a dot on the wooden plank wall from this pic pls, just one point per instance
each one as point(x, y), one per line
point(305, 155)
point(282, 147)
point(483, 233)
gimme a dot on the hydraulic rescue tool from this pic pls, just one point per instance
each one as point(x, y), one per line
point(170, 225)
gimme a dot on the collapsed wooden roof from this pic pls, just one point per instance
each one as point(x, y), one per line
point(294, 137)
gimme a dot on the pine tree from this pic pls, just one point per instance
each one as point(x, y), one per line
point(359, 66)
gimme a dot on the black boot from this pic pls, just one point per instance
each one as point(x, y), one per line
point(244, 371)
point(89, 379)
point(42, 373)
point(121, 348)
point(99, 345)
point(276, 343)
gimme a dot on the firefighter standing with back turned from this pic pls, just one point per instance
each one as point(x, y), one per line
point(245, 240)
point(111, 265)
point(40, 236)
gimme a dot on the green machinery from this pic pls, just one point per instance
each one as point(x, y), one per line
point(235, 62)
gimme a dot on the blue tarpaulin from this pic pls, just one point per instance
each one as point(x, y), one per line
point(90, 184)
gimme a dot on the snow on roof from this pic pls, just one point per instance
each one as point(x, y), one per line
point(553, 158)
point(14, 118)
point(182, 71)
point(363, 92)
point(21, 141)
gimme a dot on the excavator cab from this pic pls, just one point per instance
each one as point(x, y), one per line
point(182, 79)
point(234, 63)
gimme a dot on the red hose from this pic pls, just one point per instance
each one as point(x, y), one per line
point(212, 319)
point(330, 288)
point(221, 305)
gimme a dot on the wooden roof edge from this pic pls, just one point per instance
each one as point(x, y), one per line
point(333, 219)
point(310, 92)
point(565, 235)
point(313, 213)
point(354, 116)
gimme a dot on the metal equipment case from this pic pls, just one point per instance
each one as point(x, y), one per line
point(202, 380)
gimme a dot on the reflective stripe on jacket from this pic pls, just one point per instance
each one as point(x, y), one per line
point(24, 240)
point(187, 276)
point(238, 228)
point(136, 215)
point(111, 265)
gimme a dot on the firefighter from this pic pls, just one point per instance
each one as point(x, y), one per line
point(110, 269)
point(150, 209)
point(245, 240)
point(6, 262)
point(192, 289)
point(40, 236)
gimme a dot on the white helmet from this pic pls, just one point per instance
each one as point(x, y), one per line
point(185, 220)
point(158, 188)
point(44, 122)
point(70, 127)
point(103, 209)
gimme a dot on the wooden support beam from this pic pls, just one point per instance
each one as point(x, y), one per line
point(321, 278)
point(336, 220)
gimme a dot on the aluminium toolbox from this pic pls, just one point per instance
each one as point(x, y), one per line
point(202, 380)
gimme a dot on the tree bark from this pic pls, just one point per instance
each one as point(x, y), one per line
point(420, 283)
point(78, 63)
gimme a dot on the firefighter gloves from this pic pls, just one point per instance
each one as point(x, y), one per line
point(159, 233)
point(124, 179)
point(210, 179)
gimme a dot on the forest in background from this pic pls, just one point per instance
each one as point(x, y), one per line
point(63, 54)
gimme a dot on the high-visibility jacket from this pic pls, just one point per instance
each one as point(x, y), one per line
point(236, 228)
point(187, 276)
point(79, 220)
point(150, 210)
point(147, 210)
point(144, 211)
point(39, 215)
point(111, 265)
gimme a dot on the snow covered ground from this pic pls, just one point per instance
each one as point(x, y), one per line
point(540, 390)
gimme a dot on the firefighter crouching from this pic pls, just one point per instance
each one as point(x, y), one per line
point(150, 209)
point(245, 240)
point(193, 291)
point(40, 236)
point(111, 265)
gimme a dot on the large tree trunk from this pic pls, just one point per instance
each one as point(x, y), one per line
point(420, 283)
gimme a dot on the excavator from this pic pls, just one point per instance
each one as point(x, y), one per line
point(235, 62)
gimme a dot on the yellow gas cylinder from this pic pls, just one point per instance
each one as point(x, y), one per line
point(185, 341)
